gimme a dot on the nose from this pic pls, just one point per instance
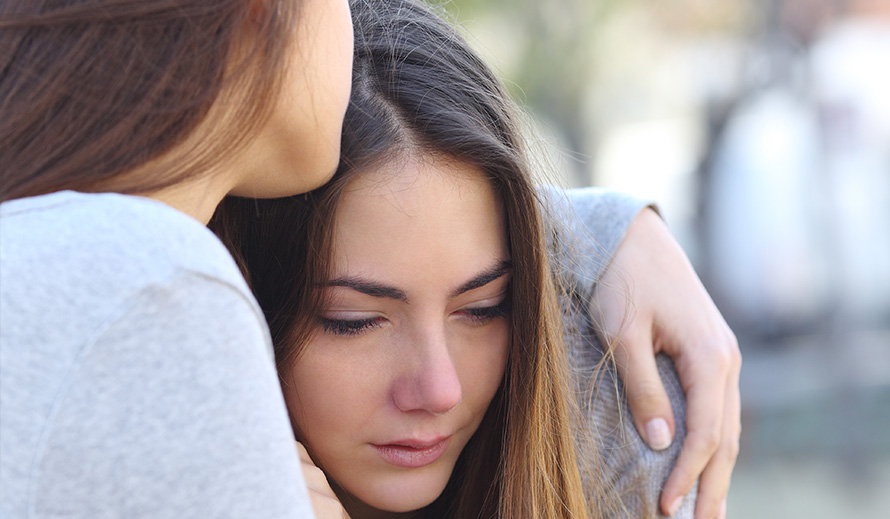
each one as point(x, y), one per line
point(431, 381)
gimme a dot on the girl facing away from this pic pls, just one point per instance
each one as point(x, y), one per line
point(137, 378)
point(414, 311)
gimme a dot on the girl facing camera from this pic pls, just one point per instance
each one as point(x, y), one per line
point(415, 313)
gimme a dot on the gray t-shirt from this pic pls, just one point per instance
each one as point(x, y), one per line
point(136, 373)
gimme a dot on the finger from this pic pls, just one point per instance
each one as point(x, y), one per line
point(304, 454)
point(325, 502)
point(649, 404)
point(714, 483)
point(704, 433)
point(315, 478)
point(326, 507)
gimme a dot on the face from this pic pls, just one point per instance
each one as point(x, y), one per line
point(412, 343)
point(298, 148)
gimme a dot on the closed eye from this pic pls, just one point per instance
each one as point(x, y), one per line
point(348, 327)
point(487, 314)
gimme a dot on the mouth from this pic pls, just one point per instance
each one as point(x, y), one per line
point(411, 453)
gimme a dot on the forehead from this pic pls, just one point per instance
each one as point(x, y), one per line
point(435, 214)
point(417, 174)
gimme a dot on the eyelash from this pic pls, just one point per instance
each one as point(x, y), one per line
point(351, 328)
point(489, 313)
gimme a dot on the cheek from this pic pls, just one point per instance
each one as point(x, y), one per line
point(307, 123)
point(330, 397)
point(481, 362)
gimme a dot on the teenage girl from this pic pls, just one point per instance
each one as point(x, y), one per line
point(412, 309)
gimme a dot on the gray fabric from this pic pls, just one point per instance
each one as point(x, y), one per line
point(105, 414)
point(590, 224)
point(136, 373)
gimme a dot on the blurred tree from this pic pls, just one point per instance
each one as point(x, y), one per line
point(554, 56)
point(552, 71)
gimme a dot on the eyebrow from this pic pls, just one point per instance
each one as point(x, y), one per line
point(370, 288)
point(484, 278)
point(374, 289)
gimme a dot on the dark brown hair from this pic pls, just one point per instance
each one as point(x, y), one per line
point(90, 90)
point(418, 89)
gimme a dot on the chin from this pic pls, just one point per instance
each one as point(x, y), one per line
point(322, 178)
point(400, 494)
point(289, 183)
point(315, 166)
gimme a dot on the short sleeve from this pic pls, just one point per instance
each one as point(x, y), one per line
point(586, 226)
point(172, 411)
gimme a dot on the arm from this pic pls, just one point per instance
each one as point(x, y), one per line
point(693, 334)
point(630, 473)
point(173, 411)
point(649, 300)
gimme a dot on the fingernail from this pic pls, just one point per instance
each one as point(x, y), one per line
point(723, 509)
point(672, 510)
point(658, 436)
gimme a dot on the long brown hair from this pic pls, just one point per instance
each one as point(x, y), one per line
point(419, 89)
point(90, 90)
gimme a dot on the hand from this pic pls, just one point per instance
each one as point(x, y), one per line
point(324, 501)
point(670, 311)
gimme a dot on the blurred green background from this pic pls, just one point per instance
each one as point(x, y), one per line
point(762, 129)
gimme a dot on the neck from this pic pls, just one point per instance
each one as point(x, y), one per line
point(199, 195)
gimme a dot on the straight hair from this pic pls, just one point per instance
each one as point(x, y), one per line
point(92, 89)
point(419, 90)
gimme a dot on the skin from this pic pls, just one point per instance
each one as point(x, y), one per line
point(431, 354)
point(297, 151)
point(298, 147)
point(649, 274)
point(325, 502)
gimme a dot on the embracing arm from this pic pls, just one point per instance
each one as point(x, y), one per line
point(640, 274)
point(173, 411)
point(650, 300)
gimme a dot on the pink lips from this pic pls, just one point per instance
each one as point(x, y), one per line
point(412, 454)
